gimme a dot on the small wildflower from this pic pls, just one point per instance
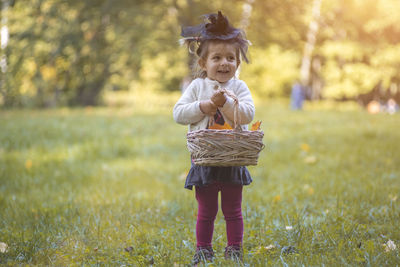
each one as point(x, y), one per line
point(262, 249)
point(289, 227)
point(3, 247)
point(389, 246)
point(310, 159)
point(270, 247)
point(393, 197)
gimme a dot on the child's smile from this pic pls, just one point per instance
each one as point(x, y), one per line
point(221, 62)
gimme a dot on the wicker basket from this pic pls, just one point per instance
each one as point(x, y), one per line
point(237, 147)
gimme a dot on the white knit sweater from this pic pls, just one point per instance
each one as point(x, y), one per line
point(187, 109)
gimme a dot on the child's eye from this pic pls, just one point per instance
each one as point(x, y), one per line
point(216, 57)
point(231, 58)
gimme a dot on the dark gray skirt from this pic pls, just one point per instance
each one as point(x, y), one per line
point(204, 175)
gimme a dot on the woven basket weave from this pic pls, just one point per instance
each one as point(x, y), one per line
point(237, 147)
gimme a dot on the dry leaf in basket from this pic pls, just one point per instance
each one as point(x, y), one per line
point(256, 126)
point(217, 126)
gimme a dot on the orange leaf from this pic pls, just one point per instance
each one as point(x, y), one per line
point(256, 126)
point(277, 198)
point(28, 164)
point(305, 147)
point(217, 126)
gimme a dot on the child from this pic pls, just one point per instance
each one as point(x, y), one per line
point(220, 49)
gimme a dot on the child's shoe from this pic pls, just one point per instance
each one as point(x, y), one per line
point(234, 253)
point(203, 254)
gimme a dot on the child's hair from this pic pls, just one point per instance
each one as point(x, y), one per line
point(217, 30)
point(202, 53)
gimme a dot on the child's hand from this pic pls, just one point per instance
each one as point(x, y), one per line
point(208, 107)
point(219, 98)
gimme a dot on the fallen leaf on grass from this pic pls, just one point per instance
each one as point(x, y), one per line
point(28, 164)
point(277, 198)
point(88, 109)
point(305, 147)
point(3, 247)
point(389, 246)
point(309, 189)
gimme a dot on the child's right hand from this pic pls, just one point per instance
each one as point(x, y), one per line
point(208, 107)
point(219, 98)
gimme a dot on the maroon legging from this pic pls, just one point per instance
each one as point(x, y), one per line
point(231, 203)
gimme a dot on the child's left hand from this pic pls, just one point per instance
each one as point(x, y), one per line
point(219, 98)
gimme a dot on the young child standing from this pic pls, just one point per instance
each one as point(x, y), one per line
point(220, 50)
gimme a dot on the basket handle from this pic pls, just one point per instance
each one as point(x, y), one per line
point(236, 114)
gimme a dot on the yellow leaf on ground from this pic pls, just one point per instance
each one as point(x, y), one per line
point(309, 189)
point(305, 147)
point(28, 164)
point(276, 198)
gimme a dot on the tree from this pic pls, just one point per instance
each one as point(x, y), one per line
point(358, 47)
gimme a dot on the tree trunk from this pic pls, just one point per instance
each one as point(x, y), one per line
point(245, 21)
point(246, 14)
point(305, 69)
point(3, 57)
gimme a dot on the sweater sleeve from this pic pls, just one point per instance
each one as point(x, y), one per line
point(246, 104)
point(187, 109)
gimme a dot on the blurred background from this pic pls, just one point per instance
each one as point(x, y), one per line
point(105, 52)
point(92, 166)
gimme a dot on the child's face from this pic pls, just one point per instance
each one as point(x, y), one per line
point(221, 62)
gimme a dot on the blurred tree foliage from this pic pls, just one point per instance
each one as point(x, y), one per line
point(70, 52)
point(359, 46)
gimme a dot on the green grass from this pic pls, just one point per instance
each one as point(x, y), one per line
point(78, 186)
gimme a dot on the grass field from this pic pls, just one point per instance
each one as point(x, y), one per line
point(104, 187)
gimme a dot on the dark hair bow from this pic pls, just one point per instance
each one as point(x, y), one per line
point(217, 28)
